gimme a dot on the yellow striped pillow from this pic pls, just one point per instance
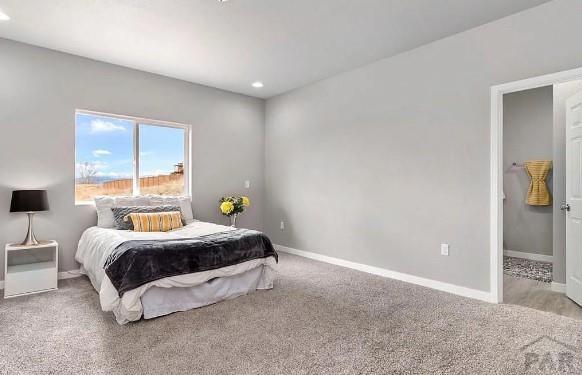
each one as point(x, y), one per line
point(156, 221)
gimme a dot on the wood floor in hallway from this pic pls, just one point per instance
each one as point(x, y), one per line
point(538, 295)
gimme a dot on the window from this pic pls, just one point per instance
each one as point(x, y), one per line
point(161, 163)
point(119, 155)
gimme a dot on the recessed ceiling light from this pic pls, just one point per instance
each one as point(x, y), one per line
point(3, 16)
point(258, 85)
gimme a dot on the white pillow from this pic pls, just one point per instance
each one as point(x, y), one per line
point(132, 201)
point(161, 200)
point(186, 207)
point(185, 204)
point(104, 214)
point(104, 204)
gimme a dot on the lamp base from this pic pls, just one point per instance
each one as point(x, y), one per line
point(30, 239)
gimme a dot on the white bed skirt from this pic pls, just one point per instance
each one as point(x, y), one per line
point(158, 301)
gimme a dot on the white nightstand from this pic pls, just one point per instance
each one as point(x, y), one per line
point(30, 269)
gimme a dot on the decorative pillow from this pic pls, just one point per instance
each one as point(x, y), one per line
point(156, 221)
point(184, 202)
point(104, 204)
point(122, 221)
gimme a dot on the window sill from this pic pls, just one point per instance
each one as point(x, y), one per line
point(92, 203)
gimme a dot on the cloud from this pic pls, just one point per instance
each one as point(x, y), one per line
point(100, 126)
point(99, 153)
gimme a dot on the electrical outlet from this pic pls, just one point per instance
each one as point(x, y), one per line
point(247, 184)
point(444, 249)
point(282, 225)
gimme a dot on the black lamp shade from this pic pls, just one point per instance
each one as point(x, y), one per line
point(29, 201)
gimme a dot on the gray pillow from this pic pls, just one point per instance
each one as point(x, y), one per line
point(120, 213)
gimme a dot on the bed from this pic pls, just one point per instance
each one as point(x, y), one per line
point(166, 295)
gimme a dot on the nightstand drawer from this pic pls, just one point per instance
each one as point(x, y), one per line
point(30, 269)
point(30, 278)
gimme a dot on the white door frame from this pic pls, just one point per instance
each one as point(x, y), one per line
point(496, 164)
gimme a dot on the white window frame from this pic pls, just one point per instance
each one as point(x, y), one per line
point(137, 121)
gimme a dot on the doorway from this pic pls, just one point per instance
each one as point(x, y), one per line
point(528, 239)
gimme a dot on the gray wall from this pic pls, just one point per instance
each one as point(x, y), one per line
point(528, 128)
point(562, 92)
point(39, 92)
point(381, 164)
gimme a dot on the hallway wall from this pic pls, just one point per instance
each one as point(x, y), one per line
point(527, 135)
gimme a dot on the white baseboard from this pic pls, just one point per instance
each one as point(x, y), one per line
point(69, 274)
point(558, 287)
point(530, 256)
point(61, 276)
point(438, 285)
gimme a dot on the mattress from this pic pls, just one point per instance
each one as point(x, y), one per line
point(97, 243)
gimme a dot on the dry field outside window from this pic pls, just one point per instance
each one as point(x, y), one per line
point(172, 184)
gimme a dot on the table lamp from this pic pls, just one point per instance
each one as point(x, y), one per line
point(30, 202)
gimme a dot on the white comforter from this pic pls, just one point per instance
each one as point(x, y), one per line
point(97, 243)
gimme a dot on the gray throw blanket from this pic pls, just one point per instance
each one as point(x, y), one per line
point(135, 263)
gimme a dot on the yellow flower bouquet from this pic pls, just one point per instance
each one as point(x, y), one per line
point(233, 206)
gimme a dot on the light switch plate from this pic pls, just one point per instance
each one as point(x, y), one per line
point(444, 249)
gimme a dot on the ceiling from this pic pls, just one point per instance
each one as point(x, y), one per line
point(283, 43)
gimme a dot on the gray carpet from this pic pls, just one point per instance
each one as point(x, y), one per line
point(319, 319)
